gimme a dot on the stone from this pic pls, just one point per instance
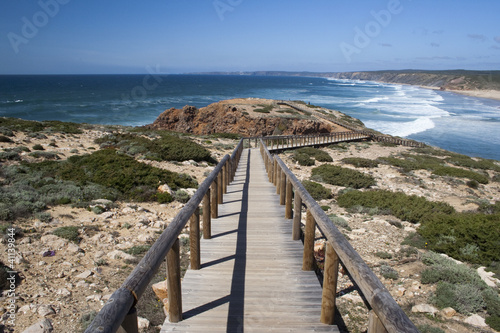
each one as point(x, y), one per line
point(448, 312)
point(144, 238)
point(25, 308)
point(161, 289)
point(95, 298)
point(424, 308)
point(165, 189)
point(359, 231)
point(400, 291)
point(476, 320)
point(63, 292)
point(53, 242)
point(107, 215)
point(43, 326)
point(45, 310)
point(128, 211)
point(117, 254)
point(353, 298)
point(488, 278)
point(73, 248)
point(84, 274)
point(142, 324)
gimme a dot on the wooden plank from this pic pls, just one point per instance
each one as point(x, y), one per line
point(251, 278)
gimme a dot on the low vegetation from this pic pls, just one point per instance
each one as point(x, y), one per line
point(460, 287)
point(317, 191)
point(308, 155)
point(162, 147)
point(360, 162)
point(336, 175)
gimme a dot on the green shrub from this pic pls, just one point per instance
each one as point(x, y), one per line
point(325, 208)
point(303, 159)
point(383, 255)
point(468, 162)
point(461, 173)
point(45, 154)
point(492, 300)
point(181, 196)
point(339, 222)
point(409, 162)
point(412, 208)
point(317, 154)
point(317, 191)
point(138, 249)
point(388, 272)
point(163, 148)
point(336, 175)
point(465, 298)
point(264, 108)
point(471, 237)
point(360, 162)
point(5, 139)
point(70, 233)
point(493, 322)
point(38, 147)
point(473, 184)
point(10, 155)
point(164, 197)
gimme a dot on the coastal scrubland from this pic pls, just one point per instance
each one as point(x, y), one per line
point(87, 201)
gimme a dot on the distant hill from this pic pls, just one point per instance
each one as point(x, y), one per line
point(445, 80)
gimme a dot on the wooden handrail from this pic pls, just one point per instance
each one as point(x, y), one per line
point(393, 318)
point(122, 302)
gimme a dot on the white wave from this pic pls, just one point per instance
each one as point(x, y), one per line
point(402, 129)
point(375, 99)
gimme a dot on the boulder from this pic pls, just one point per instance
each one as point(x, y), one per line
point(488, 278)
point(53, 242)
point(45, 310)
point(161, 289)
point(117, 254)
point(84, 274)
point(448, 312)
point(142, 324)
point(43, 326)
point(424, 308)
point(476, 320)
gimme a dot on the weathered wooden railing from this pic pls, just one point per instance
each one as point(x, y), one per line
point(385, 313)
point(120, 310)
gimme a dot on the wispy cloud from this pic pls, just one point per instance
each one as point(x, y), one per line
point(435, 45)
point(497, 39)
point(438, 32)
point(477, 37)
point(434, 58)
point(385, 44)
point(495, 47)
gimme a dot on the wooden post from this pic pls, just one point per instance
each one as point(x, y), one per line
point(278, 180)
point(275, 169)
point(330, 277)
point(214, 200)
point(288, 200)
point(129, 324)
point(220, 185)
point(224, 178)
point(174, 284)
point(283, 188)
point(308, 258)
point(374, 324)
point(194, 239)
point(297, 216)
point(207, 221)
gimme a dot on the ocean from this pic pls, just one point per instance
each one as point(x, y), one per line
point(462, 124)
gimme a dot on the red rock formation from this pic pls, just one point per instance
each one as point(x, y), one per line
point(226, 118)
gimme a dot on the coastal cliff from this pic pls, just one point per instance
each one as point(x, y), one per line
point(444, 80)
point(247, 117)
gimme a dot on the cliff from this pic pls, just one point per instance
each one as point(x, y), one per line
point(248, 117)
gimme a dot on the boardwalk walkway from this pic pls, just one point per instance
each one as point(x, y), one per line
point(251, 277)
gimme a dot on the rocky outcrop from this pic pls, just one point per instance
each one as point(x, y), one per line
point(223, 117)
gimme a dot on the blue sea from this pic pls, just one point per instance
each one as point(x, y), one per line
point(454, 122)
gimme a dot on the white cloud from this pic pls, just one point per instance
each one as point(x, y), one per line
point(477, 37)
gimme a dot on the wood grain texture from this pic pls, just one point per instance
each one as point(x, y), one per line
point(250, 278)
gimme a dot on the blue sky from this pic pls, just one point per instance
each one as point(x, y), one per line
point(179, 36)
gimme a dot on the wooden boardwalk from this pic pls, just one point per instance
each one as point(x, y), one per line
point(251, 277)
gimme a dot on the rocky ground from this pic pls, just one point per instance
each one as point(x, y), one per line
point(65, 283)
point(377, 238)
